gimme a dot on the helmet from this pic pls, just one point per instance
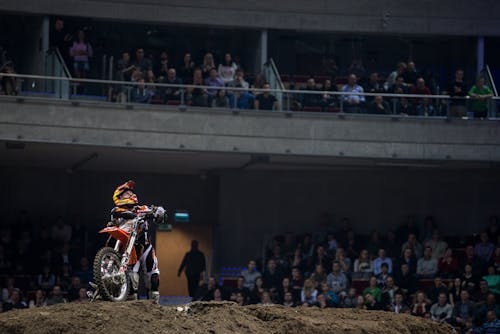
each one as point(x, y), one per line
point(132, 200)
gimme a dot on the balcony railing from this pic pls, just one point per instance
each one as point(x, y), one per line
point(238, 98)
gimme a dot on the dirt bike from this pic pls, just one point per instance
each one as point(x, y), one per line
point(112, 265)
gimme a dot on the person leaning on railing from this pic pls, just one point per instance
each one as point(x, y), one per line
point(480, 93)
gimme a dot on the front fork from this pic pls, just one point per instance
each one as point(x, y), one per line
point(128, 251)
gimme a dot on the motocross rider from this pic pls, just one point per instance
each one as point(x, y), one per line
point(126, 208)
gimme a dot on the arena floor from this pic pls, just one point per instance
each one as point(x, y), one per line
point(208, 317)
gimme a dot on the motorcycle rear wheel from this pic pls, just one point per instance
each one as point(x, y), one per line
point(112, 285)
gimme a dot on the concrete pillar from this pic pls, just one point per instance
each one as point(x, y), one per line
point(480, 54)
point(263, 48)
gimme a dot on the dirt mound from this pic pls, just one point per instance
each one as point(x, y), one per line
point(144, 317)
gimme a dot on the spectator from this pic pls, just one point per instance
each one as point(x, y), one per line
point(424, 108)
point(480, 94)
point(141, 94)
point(284, 288)
point(163, 66)
point(308, 295)
point(220, 100)
point(360, 303)
point(266, 100)
point(484, 290)
point(421, 306)
point(296, 260)
point(404, 107)
point(495, 260)
point(241, 299)
point(442, 310)
point(198, 96)
point(427, 265)
point(319, 275)
point(327, 99)
point(142, 63)
point(205, 292)
point(373, 289)
point(60, 39)
point(250, 274)
point(272, 276)
point(208, 65)
point(438, 246)
point(383, 276)
point(353, 102)
point(227, 69)
point(8, 85)
point(492, 324)
point(458, 91)
point(56, 297)
point(448, 264)
point(46, 280)
point(389, 291)
point(256, 291)
point(337, 280)
point(345, 262)
point(413, 244)
point(330, 296)
point(493, 280)
point(409, 259)
point(484, 249)
point(399, 306)
point(125, 67)
point(265, 299)
point(399, 86)
point(85, 272)
point(469, 278)
point(187, 69)
point(217, 295)
point(438, 288)
point(244, 100)
point(464, 309)
point(82, 53)
point(399, 72)
point(258, 82)
point(311, 99)
point(379, 106)
point(371, 303)
point(82, 296)
point(411, 74)
point(39, 300)
point(420, 89)
point(377, 263)
point(239, 80)
point(471, 259)
point(490, 305)
point(349, 301)
point(455, 291)
point(74, 289)
point(288, 300)
point(362, 266)
point(373, 86)
point(171, 93)
point(322, 302)
point(297, 281)
point(14, 301)
point(193, 265)
point(240, 288)
point(215, 81)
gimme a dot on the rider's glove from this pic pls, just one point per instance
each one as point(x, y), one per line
point(159, 214)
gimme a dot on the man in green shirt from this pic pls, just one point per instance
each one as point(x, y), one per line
point(480, 95)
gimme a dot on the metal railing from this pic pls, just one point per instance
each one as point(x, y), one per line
point(314, 101)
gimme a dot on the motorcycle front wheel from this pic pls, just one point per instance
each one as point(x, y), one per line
point(113, 285)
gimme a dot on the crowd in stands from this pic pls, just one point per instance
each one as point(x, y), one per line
point(42, 263)
point(411, 270)
point(144, 70)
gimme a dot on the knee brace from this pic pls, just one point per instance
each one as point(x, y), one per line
point(155, 282)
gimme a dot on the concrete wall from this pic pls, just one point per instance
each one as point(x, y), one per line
point(446, 17)
point(265, 204)
point(320, 135)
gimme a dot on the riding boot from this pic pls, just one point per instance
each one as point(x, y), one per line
point(155, 297)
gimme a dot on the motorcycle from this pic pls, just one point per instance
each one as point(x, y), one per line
point(112, 265)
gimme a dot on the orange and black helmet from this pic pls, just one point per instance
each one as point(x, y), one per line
point(132, 200)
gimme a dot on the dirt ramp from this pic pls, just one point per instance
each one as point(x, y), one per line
point(217, 318)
